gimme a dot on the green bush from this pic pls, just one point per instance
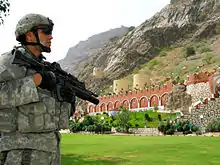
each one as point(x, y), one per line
point(91, 128)
point(170, 131)
point(205, 49)
point(203, 16)
point(190, 51)
point(213, 127)
point(147, 117)
point(163, 54)
point(118, 129)
point(207, 59)
point(159, 117)
point(88, 120)
point(161, 127)
point(75, 127)
point(195, 129)
point(169, 128)
point(98, 128)
point(152, 63)
point(217, 29)
point(106, 128)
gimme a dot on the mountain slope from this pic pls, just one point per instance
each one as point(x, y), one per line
point(78, 54)
point(180, 24)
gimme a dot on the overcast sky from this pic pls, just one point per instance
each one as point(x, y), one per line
point(76, 20)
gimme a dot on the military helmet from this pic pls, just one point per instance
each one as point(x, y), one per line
point(29, 21)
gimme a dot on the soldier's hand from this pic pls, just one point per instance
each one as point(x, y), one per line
point(37, 79)
point(45, 80)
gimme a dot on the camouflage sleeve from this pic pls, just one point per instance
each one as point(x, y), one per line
point(18, 92)
point(15, 88)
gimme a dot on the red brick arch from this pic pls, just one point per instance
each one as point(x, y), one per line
point(117, 105)
point(103, 108)
point(164, 98)
point(143, 102)
point(154, 101)
point(109, 106)
point(134, 103)
point(97, 108)
point(125, 104)
point(91, 107)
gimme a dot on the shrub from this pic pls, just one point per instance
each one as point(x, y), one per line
point(147, 117)
point(159, 117)
point(217, 29)
point(98, 128)
point(170, 131)
point(188, 51)
point(156, 108)
point(207, 59)
point(195, 129)
point(91, 128)
point(118, 129)
point(106, 128)
point(203, 16)
point(169, 128)
point(75, 127)
point(213, 127)
point(152, 63)
point(161, 127)
point(205, 49)
point(162, 54)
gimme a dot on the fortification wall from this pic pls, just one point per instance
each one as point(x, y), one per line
point(120, 85)
point(139, 81)
point(198, 86)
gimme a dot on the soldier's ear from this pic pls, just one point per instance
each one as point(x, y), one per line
point(29, 36)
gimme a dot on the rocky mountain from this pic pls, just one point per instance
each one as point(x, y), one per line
point(77, 55)
point(180, 21)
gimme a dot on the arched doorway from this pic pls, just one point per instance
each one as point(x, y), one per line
point(117, 105)
point(103, 108)
point(109, 106)
point(154, 101)
point(134, 103)
point(164, 99)
point(143, 102)
point(125, 104)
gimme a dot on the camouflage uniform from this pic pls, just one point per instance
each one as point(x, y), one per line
point(30, 117)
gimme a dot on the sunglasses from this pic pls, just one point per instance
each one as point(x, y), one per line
point(45, 29)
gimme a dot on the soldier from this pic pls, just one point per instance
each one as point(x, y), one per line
point(30, 114)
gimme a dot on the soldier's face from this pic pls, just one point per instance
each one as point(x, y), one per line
point(45, 37)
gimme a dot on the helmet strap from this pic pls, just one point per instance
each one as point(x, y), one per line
point(42, 46)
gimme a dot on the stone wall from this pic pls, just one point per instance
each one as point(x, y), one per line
point(145, 131)
point(200, 90)
point(205, 113)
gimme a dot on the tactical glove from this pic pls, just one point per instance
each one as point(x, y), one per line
point(48, 80)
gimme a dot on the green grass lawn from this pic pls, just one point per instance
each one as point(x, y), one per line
point(139, 150)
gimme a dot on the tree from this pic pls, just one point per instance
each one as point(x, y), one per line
point(4, 10)
point(123, 119)
point(188, 51)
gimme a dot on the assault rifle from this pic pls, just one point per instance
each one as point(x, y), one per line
point(67, 86)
